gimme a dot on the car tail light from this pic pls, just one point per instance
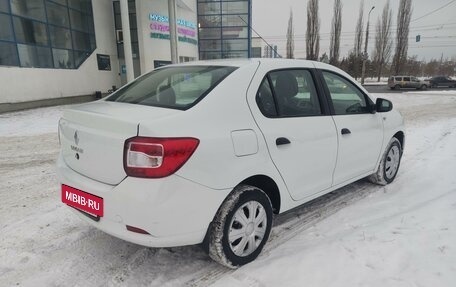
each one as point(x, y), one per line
point(157, 157)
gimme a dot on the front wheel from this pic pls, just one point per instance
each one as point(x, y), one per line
point(397, 87)
point(241, 227)
point(423, 87)
point(389, 164)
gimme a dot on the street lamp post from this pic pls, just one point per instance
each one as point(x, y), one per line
point(365, 57)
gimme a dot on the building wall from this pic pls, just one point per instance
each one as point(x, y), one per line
point(31, 84)
point(155, 49)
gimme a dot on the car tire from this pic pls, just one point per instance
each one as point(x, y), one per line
point(389, 164)
point(423, 87)
point(241, 227)
point(397, 87)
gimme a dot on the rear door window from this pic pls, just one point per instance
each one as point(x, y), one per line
point(265, 99)
point(398, 79)
point(172, 87)
point(295, 93)
point(406, 79)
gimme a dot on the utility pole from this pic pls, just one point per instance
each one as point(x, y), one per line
point(365, 57)
point(173, 30)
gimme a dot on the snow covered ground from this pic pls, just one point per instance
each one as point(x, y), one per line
point(403, 234)
point(373, 81)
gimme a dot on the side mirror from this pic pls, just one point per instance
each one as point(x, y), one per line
point(383, 105)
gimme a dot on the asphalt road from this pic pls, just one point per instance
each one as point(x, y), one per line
point(386, 89)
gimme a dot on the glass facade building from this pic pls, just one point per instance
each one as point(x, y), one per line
point(223, 29)
point(46, 33)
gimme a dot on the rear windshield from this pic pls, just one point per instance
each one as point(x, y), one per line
point(172, 87)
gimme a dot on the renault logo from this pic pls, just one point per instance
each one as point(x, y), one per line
point(76, 138)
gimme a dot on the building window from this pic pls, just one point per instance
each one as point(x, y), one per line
point(223, 29)
point(6, 30)
point(34, 56)
point(30, 32)
point(4, 6)
point(60, 37)
point(8, 54)
point(57, 15)
point(63, 59)
point(133, 29)
point(33, 9)
point(46, 33)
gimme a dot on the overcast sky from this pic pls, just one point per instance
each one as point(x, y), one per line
point(438, 30)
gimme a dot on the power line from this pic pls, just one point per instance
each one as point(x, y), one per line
point(347, 38)
point(412, 29)
point(433, 11)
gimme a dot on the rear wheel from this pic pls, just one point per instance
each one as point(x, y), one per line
point(241, 227)
point(423, 87)
point(389, 164)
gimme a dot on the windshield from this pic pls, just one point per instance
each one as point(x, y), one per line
point(172, 87)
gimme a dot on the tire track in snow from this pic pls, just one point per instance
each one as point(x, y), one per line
point(288, 225)
point(137, 259)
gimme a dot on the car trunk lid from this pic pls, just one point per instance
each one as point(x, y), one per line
point(92, 137)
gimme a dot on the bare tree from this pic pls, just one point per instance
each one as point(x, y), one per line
point(313, 31)
point(402, 32)
point(357, 51)
point(359, 30)
point(336, 26)
point(290, 37)
point(383, 41)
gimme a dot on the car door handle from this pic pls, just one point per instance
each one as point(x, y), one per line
point(345, 131)
point(282, 141)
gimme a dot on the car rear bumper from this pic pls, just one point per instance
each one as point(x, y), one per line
point(173, 210)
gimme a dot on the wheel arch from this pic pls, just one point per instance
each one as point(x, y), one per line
point(401, 137)
point(269, 186)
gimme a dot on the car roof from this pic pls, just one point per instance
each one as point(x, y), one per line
point(245, 62)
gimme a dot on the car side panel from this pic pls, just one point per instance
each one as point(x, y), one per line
point(220, 115)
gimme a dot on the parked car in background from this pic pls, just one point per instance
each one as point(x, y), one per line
point(442, 81)
point(206, 152)
point(410, 82)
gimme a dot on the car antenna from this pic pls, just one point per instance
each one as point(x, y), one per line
point(275, 50)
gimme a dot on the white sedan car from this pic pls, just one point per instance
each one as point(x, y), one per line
point(207, 152)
